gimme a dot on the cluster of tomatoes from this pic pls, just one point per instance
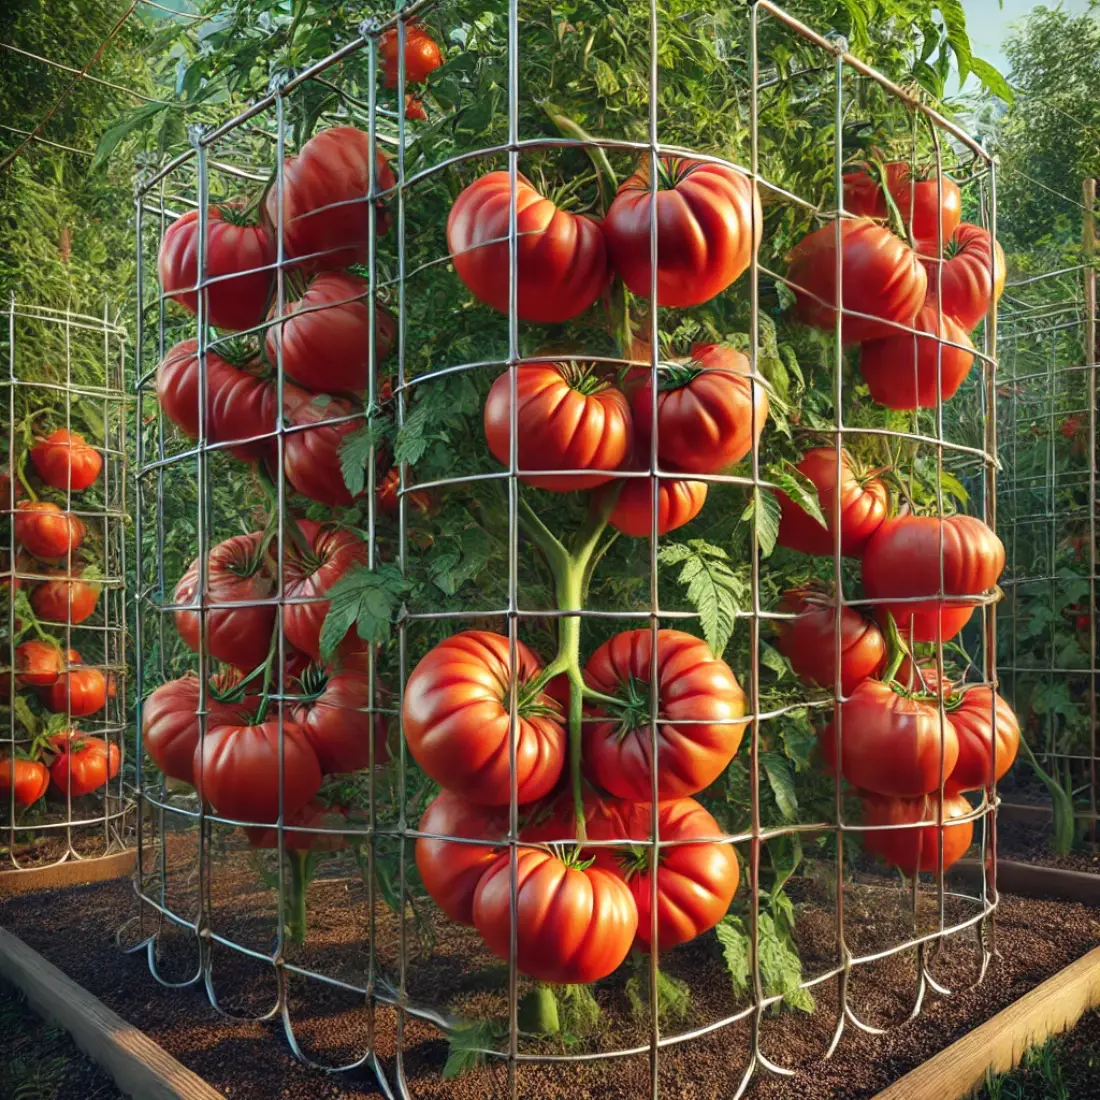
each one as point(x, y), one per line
point(893, 745)
point(885, 283)
point(580, 910)
point(75, 762)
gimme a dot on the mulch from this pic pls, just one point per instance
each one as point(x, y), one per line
point(449, 969)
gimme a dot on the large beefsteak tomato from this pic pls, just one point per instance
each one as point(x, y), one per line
point(45, 531)
point(561, 258)
point(972, 716)
point(27, 778)
point(456, 720)
point(917, 849)
point(78, 692)
point(692, 686)
point(918, 196)
point(65, 600)
point(972, 277)
point(708, 223)
point(311, 449)
point(64, 460)
point(678, 502)
point(83, 763)
point(574, 926)
point(567, 418)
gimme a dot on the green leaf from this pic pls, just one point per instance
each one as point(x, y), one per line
point(770, 657)
point(578, 1010)
point(954, 487)
point(954, 19)
point(466, 1041)
point(992, 80)
point(784, 854)
point(365, 599)
point(764, 507)
point(782, 784)
point(673, 995)
point(713, 589)
point(355, 454)
point(736, 951)
point(137, 119)
point(798, 487)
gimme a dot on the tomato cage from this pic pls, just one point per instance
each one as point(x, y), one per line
point(458, 510)
point(63, 793)
point(1047, 413)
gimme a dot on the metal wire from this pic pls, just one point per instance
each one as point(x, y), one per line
point(164, 465)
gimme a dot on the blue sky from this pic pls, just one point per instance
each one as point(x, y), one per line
point(988, 24)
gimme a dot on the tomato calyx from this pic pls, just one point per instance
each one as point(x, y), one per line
point(674, 376)
point(312, 683)
point(636, 860)
point(241, 352)
point(239, 214)
point(583, 378)
point(633, 711)
point(671, 171)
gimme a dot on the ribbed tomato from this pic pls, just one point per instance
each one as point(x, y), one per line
point(918, 195)
point(422, 55)
point(574, 926)
point(708, 223)
point(45, 531)
point(567, 418)
point(561, 258)
point(451, 871)
point(77, 693)
point(456, 720)
point(907, 372)
point(64, 600)
point(170, 724)
point(237, 572)
point(881, 277)
point(972, 716)
point(325, 344)
point(917, 849)
point(37, 664)
point(971, 279)
point(311, 452)
point(903, 560)
point(307, 577)
point(692, 686)
point(325, 186)
point(709, 410)
point(83, 764)
point(236, 770)
point(28, 778)
point(239, 405)
point(333, 716)
point(63, 457)
point(678, 502)
point(891, 742)
point(695, 882)
point(234, 244)
point(313, 815)
point(809, 642)
point(864, 503)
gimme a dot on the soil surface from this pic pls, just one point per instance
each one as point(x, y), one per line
point(448, 970)
point(1033, 842)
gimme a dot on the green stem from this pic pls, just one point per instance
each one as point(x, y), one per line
point(21, 473)
point(295, 899)
point(541, 535)
point(897, 649)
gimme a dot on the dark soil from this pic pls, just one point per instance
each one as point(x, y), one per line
point(1032, 841)
point(449, 969)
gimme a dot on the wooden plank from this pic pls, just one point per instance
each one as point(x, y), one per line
point(139, 1066)
point(1031, 880)
point(73, 872)
point(1000, 1042)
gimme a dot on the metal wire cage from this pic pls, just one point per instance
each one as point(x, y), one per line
point(64, 591)
point(1047, 411)
point(384, 958)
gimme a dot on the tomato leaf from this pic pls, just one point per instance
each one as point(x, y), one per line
point(764, 507)
point(992, 80)
point(365, 599)
point(713, 588)
point(781, 783)
point(798, 487)
point(467, 1041)
point(780, 967)
point(673, 995)
point(578, 1009)
point(355, 454)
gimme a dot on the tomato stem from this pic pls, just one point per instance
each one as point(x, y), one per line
point(295, 899)
point(897, 648)
point(21, 473)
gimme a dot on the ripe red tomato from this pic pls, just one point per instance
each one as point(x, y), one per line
point(414, 109)
point(388, 498)
point(236, 573)
point(901, 371)
point(78, 692)
point(334, 719)
point(695, 882)
point(325, 346)
point(809, 642)
point(239, 405)
point(84, 763)
point(922, 677)
point(455, 718)
point(451, 871)
point(891, 743)
point(882, 277)
point(561, 258)
point(708, 223)
point(311, 454)
point(422, 55)
point(313, 815)
point(45, 531)
point(917, 195)
point(678, 502)
point(28, 778)
point(236, 770)
point(972, 717)
point(864, 503)
point(63, 457)
point(307, 577)
point(903, 560)
point(37, 664)
point(322, 219)
point(913, 850)
point(170, 725)
point(64, 600)
point(234, 244)
point(692, 686)
point(574, 926)
point(709, 410)
point(971, 279)
point(567, 418)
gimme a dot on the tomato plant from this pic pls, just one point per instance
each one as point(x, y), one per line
point(65, 461)
point(83, 763)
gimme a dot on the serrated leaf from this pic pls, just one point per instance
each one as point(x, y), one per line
point(365, 599)
point(355, 454)
point(764, 509)
point(799, 488)
point(713, 589)
point(770, 657)
point(954, 19)
point(736, 951)
point(781, 783)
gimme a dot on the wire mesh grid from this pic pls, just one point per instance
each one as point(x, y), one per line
point(401, 970)
point(1047, 410)
point(64, 588)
